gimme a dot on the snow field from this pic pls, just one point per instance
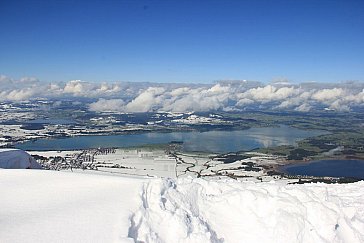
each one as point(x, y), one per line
point(58, 206)
point(139, 163)
point(197, 210)
point(52, 206)
point(157, 162)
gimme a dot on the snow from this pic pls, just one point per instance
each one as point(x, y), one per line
point(51, 206)
point(55, 206)
point(197, 210)
point(161, 163)
point(17, 159)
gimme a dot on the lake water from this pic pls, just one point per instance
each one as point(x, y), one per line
point(211, 141)
point(52, 121)
point(333, 168)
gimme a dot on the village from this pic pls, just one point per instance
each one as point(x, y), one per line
point(163, 163)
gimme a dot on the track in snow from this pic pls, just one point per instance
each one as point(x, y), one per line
point(197, 210)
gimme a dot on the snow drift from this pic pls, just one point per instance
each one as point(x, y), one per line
point(196, 210)
point(50, 206)
point(17, 159)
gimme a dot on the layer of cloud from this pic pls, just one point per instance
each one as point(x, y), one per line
point(111, 105)
point(228, 98)
point(224, 95)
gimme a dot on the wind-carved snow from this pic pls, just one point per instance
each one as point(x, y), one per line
point(197, 210)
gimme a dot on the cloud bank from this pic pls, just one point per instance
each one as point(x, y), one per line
point(224, 95)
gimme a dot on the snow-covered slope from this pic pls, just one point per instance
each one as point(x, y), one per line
point(17, 159)
point(196, 210)
point(49, 206)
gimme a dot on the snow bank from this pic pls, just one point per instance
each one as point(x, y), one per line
point(17, 159)
point(196, 210)
point(51, 206)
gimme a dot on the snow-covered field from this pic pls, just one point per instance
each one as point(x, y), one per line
point(61, 206)
point(162, 163)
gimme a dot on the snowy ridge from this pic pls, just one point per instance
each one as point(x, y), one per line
point(196, 210)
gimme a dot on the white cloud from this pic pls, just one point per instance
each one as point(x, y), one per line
point(338, 105)
point(4, 80)
point(75, 87)
point(303, 108)
point(243, 102)
point(103, 105)
point(224, 95)
point(269, 93)
point(148, 100)
point(328, 94)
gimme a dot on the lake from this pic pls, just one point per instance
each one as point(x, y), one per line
point(211, 141)
point(333, 168)
point(52, 121)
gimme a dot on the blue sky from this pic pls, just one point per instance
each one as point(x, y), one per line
point(183, 41)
